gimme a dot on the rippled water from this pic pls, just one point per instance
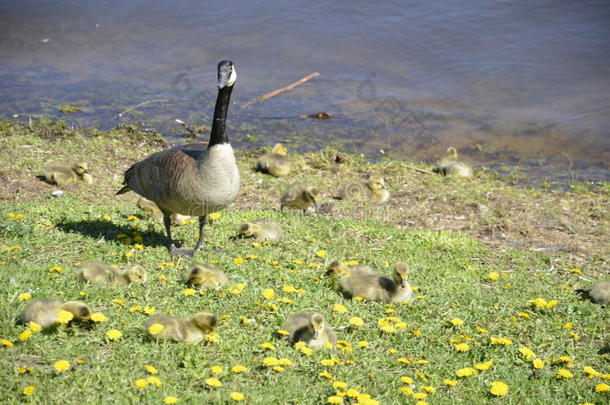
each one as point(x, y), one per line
point(506, 82)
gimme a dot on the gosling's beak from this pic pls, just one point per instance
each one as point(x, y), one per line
point(143, 284)
point(385, 187)
point(315, 334)
point(403, 283)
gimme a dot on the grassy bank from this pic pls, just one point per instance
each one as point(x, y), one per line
point(480, 251)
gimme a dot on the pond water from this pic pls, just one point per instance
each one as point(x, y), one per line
point(507, 83)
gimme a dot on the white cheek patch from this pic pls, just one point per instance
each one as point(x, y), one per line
point(232, 78)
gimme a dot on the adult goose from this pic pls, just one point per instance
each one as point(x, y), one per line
point(192, 179)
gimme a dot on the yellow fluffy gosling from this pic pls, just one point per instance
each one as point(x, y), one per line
point(275, 163)
point(149, 206)
point(180, 329)
point(299, 196)
point(62, 175)
point(100, 273)
point(205, 277)
point(45, 312)
point(374, 189)
point(600, 292)
point(449, 165)
point(310, 328)
point(373, 286)
point(261, 229)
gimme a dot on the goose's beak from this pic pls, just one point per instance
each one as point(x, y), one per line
point(223, 79)
point(315, 334)
point(143, 284)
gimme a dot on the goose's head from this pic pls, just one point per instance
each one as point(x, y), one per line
point(376, 183)
point(452, 153)
point(226, 74)
point(401, 274)
point(204, 321)
point(136, 274)
point(337, 268)
point(279, 149)
point(80, 168)
point(249, 229)
point(316, 323)
point(78, 309)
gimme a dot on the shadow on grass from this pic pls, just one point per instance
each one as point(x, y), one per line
point(97, 229)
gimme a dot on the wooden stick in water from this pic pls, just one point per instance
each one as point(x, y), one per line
point(282, 90)
point(156, 100)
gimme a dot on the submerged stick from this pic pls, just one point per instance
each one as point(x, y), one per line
point(417, 169)
point(282, 90)
point(155, 100)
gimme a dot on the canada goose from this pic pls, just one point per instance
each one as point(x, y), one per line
point(190, 179)
point(45, 312)
point(205, 277)
point(375, 287)
point(62, 175)
point(599, 293)
point(181, 329)
point(310, 328)
point(275, 163)
point(299, 196)
point(100, 273)
point(449, 165)
point(149, 206)
point(261, 229)
point(374, 189)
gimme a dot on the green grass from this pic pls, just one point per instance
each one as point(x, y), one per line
point(450, 268)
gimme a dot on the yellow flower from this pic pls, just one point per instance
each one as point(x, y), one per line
point(400, 325)
point(267, 345)
point(465, 372)
point(34, 326)
point(217, 369)
point(141, 383)
point(498, 388)
point(6, 342)
point(406, 390)
point(406, 380)
point(327, 362)
point(527, 352)
point(403, 360)
point(340, 385)
point(237, 396)
point(151, 369)
point(149, 310)
point(62, 365)
point(537, 363)
point(484, 366)
point(238, 368)
point(462, 347)
point(15, 217)
point(283, 332)
point(321, 253)
point(114, 334)
point(129, 254)
point(105, 218)
point(29, 390)
point(363, 343)
point(189, 292)
point(285, 362)
point(493, 276)
point(563, 373)
point(340, 308)
point(170, 400)
point(25, 335)
point(568, 325)
point(270, 361)
point(279, 369)
point(138, 246)
point(211, 337)
point(238, 260)
point(155, 328)
point(420, 395)
point(268, 293)
point(63, 317)
point(24, 296)
point(135, 308)
point(500, 341)
point(602, 387)
point(118, 301)
point(133, 218)
point(456, 322)
point(451, 383)
point(213, 382)
point(154, 381)
point(215, 215)
point(334, 399)
point(297, 261)
point(98, 317)
point(306, 351)
point(388, 328)
point(523, 315)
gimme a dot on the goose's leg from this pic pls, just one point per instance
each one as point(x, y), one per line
point(201, 240)
point(173, 250)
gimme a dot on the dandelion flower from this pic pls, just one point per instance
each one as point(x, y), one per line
point(340, 308)
point(29, 390)
point(465, 372)
point(325, 374)
point(456, 322)
point(170, 400)
point(216, 369)
point(98, 317)
point(602, 387)
point(420, 395)
point(141, 383)
point(114, 334)
point(238, 368)
point(334, 399)
point(151, 369)
point(342, 385)
point(538, 364)
point(189, 292)
point(451, 383)
point(462, 347)
point(213, 382)
point(62, 365)
point(493, 276)
point(63, 317)
point(527, 352)
point(24, 296)
point(34, 327)
point(155, 328)
point(268, 293)
point(406, 380)
point(321, 253)
point(6, 342)
point(306, 351)
point(498, 388)
point(238, 260)
point(484, 366)
point(154, 381)
point(327, 362)
point(563, 373)
point(215, 215)
point(237, 396)
point(356, 321)
point(25, 335)
point(363, 344)
point(267, 345)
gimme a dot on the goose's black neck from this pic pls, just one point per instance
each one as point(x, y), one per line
point(219, 133)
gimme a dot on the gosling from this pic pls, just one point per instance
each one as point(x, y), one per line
point(310, 328)
point(275, 163)
point(261, 229)
point(45, 312)
point(205, 277)
point(374, 190)
point(449, 165)
point(599, 293)
point(62, 175)
point(149, 206)
point(181, 329)
point(100, 273)
point(299, 196)
point(374, 287)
